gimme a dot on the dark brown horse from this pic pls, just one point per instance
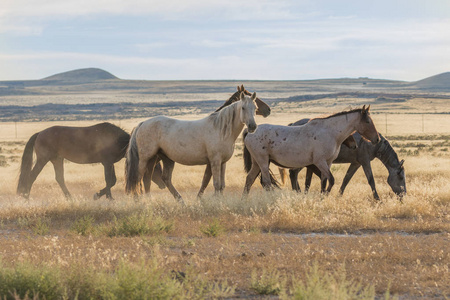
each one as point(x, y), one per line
point(102, 143)
point(357, 157)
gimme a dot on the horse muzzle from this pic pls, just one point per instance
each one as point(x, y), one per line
point(376, 140)
point(252, 127)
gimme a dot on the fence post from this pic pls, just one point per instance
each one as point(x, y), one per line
point(385, 118)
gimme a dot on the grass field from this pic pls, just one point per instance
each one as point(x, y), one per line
point(302, 246)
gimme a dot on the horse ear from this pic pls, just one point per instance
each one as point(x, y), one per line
point(238, 88)
point(242, 96)
point(401, 163)
point(368, 107)
point(242, 87)
point(363, 108)
point(254, 96)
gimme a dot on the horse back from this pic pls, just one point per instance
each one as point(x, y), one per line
point(99, 143)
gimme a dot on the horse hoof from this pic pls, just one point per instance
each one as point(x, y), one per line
point(96, 196)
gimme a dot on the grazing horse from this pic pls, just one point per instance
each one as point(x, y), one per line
point(361, 156)
point(201, 142)
point(102, 143)
point(317, 142)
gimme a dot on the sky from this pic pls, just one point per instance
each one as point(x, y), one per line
point(207, 39)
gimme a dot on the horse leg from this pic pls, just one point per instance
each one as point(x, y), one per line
point(205, 181)
point(309, 171)
point(293, 176)
point(308, 178)
point(167, 177)
point(222, 176)
point(324, 169)
point(348, 176)
point(265, 177)
point(40, 163)
point(216, 169)
point(58, 165)
point(368, 171)
point(110, 178)
point(251, 177)
point(156, 177)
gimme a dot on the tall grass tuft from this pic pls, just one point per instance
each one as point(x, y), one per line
point(332, 286)
point(268, 283)
point(138, 224)
point(26, 280)
point(213, 229)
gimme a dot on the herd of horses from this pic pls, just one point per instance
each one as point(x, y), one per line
point(344, 137)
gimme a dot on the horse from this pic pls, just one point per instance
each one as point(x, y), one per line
point(207, 141)
point(317, 142)
point(357, 157)
point(262, 109)
point(102, 143)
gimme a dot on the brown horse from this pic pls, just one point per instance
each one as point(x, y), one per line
point(102, 143)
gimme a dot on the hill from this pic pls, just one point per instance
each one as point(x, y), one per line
point(82, 75)
point(438, 82)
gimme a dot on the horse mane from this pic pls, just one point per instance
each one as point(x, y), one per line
point(386, 153)
point(235, 97)
point(224, 118)
point(337, 114)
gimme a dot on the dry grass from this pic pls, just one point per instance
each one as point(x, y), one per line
point(400, 246)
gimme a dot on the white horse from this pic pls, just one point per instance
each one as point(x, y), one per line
point(208, 141)
point(315, 143)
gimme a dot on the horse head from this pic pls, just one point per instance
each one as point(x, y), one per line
point(366, 127)
point(396, 179)
point(248, 109)
point(350, 142)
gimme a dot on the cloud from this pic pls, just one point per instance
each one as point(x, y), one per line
point(170, 9)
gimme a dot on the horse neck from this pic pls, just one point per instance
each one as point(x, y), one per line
point(233, 98)
point(386, 154)
point(228, 121)
point(342, 125)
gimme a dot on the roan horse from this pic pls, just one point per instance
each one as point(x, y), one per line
point(208, 141)
point(357, 157)
point(102, 143)
point(317, 142)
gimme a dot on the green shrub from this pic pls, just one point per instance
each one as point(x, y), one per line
point(26, 280)
point(84, 226)
point(213, 229)
point(269, 283)
point(138, 224)
point(334, 286)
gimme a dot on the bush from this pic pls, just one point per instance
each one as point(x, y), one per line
point(26, 280)
point(213, 229)
point(269, 283)
point(138, 224)
point(321, 285)
point(84, 226)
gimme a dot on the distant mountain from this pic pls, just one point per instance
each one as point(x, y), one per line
point(82, 75)
point(440, 81)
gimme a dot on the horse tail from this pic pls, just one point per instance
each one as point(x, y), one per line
point(283, 175)
point(273, 180)
point(132, 164)
point(246, 154)
point(25, 166)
